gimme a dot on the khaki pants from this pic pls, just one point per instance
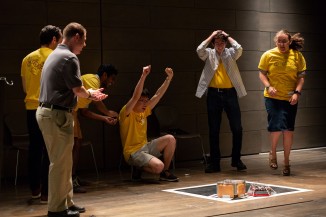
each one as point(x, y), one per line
point(57, 130)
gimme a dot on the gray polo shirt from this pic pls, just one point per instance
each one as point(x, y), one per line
point(61, 73)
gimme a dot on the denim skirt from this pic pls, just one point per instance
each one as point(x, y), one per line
point(280, 115)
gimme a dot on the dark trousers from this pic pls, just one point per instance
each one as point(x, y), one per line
point(38, 160)
point(217, 101)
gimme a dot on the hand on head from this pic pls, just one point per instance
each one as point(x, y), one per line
point(216, 32)
point(219, 32)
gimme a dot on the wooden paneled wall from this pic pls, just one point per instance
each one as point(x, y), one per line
point(131, 34)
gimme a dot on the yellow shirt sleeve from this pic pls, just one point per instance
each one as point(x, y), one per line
point(89, 81)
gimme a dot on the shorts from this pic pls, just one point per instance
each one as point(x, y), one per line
point(280, 115)
point(141, 157)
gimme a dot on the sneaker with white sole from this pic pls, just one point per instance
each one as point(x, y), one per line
point(77, 188)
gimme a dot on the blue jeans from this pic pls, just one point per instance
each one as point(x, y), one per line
point(217, 101)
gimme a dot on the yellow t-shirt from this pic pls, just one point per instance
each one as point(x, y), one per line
point(31, 70)
point(89, 81)
point(220, 78)
point(133, 130)
point(283, 71)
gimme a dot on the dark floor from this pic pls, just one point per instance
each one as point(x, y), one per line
point(113, 194)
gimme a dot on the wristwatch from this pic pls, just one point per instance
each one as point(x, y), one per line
point(297, 92)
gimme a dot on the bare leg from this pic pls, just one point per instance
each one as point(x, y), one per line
point(275, 136)
point(168, 150)
point(287, 145)
point(165, 144)
point(155, 166)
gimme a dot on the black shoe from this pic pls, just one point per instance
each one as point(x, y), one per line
point(239, 165)
point(136, 174)
point(83, 182)
point(77, 188)
point(77, 208)
point(65, 213)
point(212, 169)
point(166, 175)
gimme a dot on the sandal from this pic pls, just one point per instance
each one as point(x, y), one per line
point(272, 162)
point(286, 170)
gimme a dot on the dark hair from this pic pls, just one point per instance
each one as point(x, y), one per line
point(297, 40)
point(47, 33)
point(72, 29)
point(145, 92)
point(108, 68)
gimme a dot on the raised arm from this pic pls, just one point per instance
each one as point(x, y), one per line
point(161, 91)
point(201, 49)
point(138, 90)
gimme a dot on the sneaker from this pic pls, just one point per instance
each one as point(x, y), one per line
point(136, 174)
point(83, 182)
point(44, 199)
point(166, 175)
point(212, 169)
point(239, 165)
point(36, 194)
point(77, 188)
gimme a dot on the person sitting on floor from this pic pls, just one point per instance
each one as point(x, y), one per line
point(137, 151)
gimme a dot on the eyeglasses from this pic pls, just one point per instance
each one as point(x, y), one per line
point(282, 42)
point(219, 43)
point(143, 100)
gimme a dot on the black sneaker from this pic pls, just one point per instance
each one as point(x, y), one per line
point(77, 188)
point(136, 174)
point(212, 169)
point(166, 175)
point(239, 165)
point(83, 182)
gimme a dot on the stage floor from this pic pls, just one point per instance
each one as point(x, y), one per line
point(114, 194)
